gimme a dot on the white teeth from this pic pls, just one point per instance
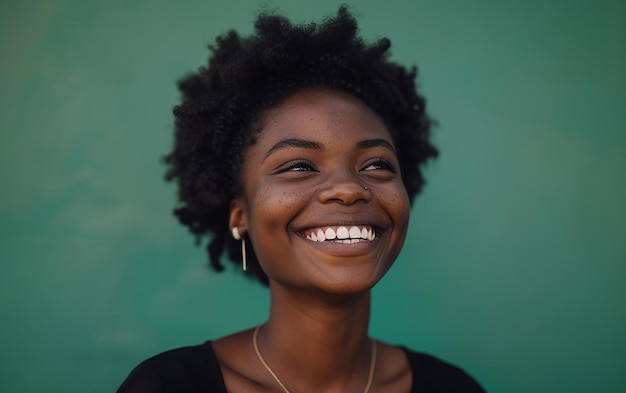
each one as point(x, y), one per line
point(355, 233)
point(342, 233)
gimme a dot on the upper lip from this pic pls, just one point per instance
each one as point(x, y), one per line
point(331, 220)
point(338, 220)
point(335, 227)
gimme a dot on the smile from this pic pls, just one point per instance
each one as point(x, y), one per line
point(341, 234)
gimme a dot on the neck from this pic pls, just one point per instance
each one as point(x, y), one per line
point(317, 344)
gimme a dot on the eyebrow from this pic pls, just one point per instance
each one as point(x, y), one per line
point(294, 142)
point(307, 144)
point(369, 143)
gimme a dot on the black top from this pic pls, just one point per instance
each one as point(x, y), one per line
point(196, 369)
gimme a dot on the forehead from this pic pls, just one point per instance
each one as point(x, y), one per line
point(322, 113)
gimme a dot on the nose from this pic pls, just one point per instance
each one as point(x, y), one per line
point(343, 188)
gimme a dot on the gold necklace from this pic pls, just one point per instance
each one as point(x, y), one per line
point(370, 377)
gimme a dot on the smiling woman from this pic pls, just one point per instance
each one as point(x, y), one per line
point(305, 144)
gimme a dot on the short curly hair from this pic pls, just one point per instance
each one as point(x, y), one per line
point(222, 106)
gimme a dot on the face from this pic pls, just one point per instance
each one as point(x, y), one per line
point(323, 201)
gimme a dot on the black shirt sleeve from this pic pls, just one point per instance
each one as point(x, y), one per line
point(436, 376)
point(183, 370)
point(142, 379)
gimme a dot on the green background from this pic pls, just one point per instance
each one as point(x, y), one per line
point(515, 263)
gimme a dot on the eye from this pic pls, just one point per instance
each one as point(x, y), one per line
point(378, 164)
point(298, 166)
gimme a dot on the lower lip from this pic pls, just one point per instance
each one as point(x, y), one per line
point(343, 249)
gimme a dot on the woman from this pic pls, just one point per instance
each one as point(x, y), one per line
point(298, 150)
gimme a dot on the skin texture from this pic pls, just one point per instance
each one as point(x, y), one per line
point(322, 159)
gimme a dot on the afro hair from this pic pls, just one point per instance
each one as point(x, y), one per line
point(222, 105)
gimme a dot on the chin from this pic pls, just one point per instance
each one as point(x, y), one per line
point(346, 283)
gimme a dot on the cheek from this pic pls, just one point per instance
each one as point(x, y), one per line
point(273, 207)
point(398, 206)
point(266, 214)
point(272, 212)
point(405, 213)
point(405, 207)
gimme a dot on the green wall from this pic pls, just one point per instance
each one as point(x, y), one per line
point(515, 263)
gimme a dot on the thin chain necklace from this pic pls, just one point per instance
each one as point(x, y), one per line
point(370, 377)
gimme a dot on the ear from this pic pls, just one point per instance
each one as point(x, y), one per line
point(238, 216)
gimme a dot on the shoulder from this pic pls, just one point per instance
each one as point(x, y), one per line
point(431, 374)
point(188, 369)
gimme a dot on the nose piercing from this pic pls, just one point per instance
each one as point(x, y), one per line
point(365, 188)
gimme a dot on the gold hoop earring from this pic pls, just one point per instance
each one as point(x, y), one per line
point(237, 236)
